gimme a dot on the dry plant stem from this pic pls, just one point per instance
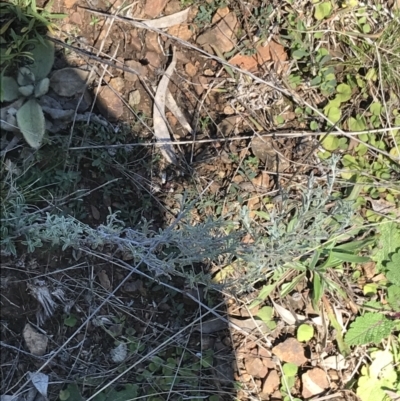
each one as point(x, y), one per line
point(289, 93)
point(240, 138)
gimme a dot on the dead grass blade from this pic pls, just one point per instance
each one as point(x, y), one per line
point(160, 126)
point(169, 20)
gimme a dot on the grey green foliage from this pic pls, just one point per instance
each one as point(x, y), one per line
point(31, 83)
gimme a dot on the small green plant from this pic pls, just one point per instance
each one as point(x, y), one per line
point(25, 24)
point(30, 84)
point(94, 20)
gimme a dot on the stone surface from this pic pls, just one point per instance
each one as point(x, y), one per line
point(255, 367)
point(271, 383)
point(136, 66)
point(76, 18)
point(69, 3)
point(154, 59)
point(153, 8)
point(222, 35)
point(69, 81)
point(181, 31)
point(220, 14)
point(191, 69)
point(290, 351)
point(134, 98)
point(117, 83)
point(151, 41)
point(314, 382)
point(109, 104)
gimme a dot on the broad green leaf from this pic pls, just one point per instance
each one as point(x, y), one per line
point(370, 289)
point(26, 90)
point(71, 393)
point(330, 142)
point(370, 328)
point(42, 87)
point(393, 297)
point(369, 389)
point(389, 242)
point(376, 108)
point(70, 320)
point(343, 92)
point(43, 56)
point(9, 89)
point(393, 268)
point(357, 124)
point(31, 122)
point(332, 111)
point(290, 369)
point(299, 54)
point(25, 77)
point(265, 313)
point(305, 332)
point(322, 10)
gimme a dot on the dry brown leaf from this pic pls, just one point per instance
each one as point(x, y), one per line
point(272, 51)
point(104, 280)
point(36, 342)
point(159, 120)
point(95, 212)
point(169, 20)
point(177, 112)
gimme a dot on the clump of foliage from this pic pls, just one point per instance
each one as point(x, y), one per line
point(30, 84)
point(24, 24)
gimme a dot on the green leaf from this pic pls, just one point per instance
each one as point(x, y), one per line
point(322, 10)
point(31, 122)
point(299, 54)
point(42, 87)
point(26, 90)
point(357, 124)
point(265, 313)
point(43, 59)
point(71, 393)
point(318, 288)
point(343, 92)
point(393, 297)
point(332, 111)
point(70, 320)
point(376, 108)
point(25, 77)
point(389, 242)
point(262, 296)
point(290, 369)
point(393, 269)
point(348, 257)
point(9, 89)
point(330, 142)
point(370, 328)
point(305, 332)
point(369, 389)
